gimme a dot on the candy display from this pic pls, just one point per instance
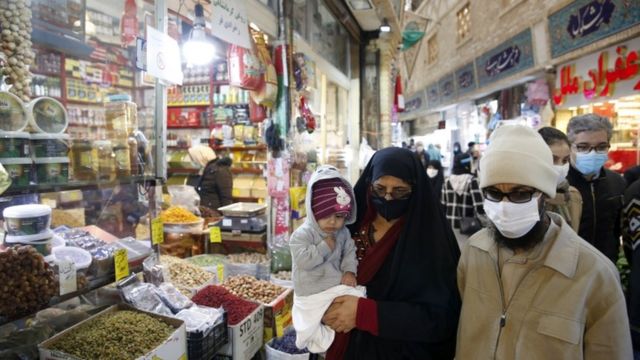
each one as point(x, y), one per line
point(118, 335)
point(27, 282)
point(215, 296)
point(253, 289)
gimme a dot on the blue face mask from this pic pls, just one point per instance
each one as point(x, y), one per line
point(591, 162)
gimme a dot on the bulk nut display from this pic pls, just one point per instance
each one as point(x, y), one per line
point(248, 258)
point(253, 289)
point(119, 335)
point(27, 282)
point(15, 40)
point(185, 276)
point(282, 275)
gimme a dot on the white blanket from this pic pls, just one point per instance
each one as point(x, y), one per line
point(307, 316)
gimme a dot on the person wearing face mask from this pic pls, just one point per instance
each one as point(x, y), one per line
point(602, 190)
point(530, 286)
point(407, 258)
point(568, 201)
point(435, 173)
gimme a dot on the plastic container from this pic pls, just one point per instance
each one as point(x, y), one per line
point(82, 258)
point(50, 145)
point(47, 115)
point(13, 115)
point(205, 344)
point(19, 170)
point(41, 242)
point(32, 219)
point(14, 144)
point(57, 241)
point(83, 160)
point(121, 115)
point(54, 170)
point(103, 151)
point(180, 239)
point(122, 154)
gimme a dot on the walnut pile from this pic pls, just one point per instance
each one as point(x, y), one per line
point(15, 38)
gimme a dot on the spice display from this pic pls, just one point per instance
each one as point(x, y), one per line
point(178, 215)
point(282, 275)
point(215, 296)
point(287, 344)
point(251, 288)
point(184, 275)
point(27, 282)
point(119, 335)
point(15, 18)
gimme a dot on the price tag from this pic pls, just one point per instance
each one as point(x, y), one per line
point(280, 321)
point(235, 193)
point(157, 231)
point(220, 273)
point(122, 263)
point(215, 236)
point(67, 276)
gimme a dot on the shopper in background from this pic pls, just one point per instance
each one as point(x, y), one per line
point(434, 153)
point(422, 154)
point(461, 198)
point(435, 172)
point(457, 150)
point(216, 182)
point(568, 201)
point(631, 239)
point(407, 260)
point(530, 286)
point(632, 174)
point(467, 158)
point(601, 189)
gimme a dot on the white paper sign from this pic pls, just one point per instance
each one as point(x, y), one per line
point(230, 23)
point(67, 276)
point(163, 57)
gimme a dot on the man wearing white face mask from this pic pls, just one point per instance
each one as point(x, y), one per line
point(568, 201)
point(531, 288)
point(602, 190)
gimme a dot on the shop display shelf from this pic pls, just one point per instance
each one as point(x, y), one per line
point(240, 148)
point(76, 185)
point(182, 171)
point(44, 73)
point(187, 105)
point(177, 127)
point(236, 170)
point(81, 102)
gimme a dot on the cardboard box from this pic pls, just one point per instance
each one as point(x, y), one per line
point(174, 348)
point(277, 315)
point(245, 338)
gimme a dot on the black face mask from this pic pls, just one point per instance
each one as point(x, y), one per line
point(390, 209)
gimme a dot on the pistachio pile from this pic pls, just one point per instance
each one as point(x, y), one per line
point(15, 24)
point(250, 288)
point(185, 276)
point(118, 335)
point(282, 275)
point(248, 258)
point(27, 282)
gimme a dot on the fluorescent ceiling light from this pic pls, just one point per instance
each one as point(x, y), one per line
point(385, 27)
point(360, 5)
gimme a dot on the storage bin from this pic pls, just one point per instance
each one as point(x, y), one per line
point(14, 144)
point(50, 145)
point(52, 170)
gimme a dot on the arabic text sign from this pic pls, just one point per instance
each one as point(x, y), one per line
point(466, 79)
point(447, 88)
point(230, 23)
point(510, 57)
point(583, 22)
point(163, 57)
point(612, 72)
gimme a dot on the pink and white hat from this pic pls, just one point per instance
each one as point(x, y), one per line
point(330, 196)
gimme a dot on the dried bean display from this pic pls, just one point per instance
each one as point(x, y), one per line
point(185, 276)
point(118, 335)
point(27, 282)
point(253, 289)
point(215, 296)
point(15, 27)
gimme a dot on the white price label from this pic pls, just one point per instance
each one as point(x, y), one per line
point(67, 276)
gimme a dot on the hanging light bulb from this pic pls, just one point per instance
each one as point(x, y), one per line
point(198, 50)
point(385, 27)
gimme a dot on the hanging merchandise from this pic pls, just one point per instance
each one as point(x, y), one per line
point(129, 23)
point(273, 138)
point(398, 99)
point(257, 112)
point(245, 68)
point(300, 71)
point(305, 111)
point(268, 94)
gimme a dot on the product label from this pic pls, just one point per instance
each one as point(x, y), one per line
point(220, 273)
point(123, 162)
point(215, 236)
point(122, 263)
point(67, 275)
point(157, 231)
point(86, 160)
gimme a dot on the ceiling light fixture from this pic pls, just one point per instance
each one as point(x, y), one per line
point(198, 50)
point(360, 5)
point(385, 27)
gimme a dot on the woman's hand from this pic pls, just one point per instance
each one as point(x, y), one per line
point(341, 315)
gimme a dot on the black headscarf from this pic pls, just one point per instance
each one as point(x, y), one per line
point(419, 275)
point(438, 181)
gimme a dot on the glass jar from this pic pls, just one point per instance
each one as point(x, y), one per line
point(121, 115)
point(122, 157)
point(84, 164)
point(103, 150)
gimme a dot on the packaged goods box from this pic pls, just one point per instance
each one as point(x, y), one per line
point(277, 315)
point(245, 338)
point(173, 348)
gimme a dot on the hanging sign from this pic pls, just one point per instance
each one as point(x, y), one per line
point(583, 22)
point(447, 89)
point(512, 56)
point(465, 79)
point(230, 23)
point(415, 27)
point(163, 57)
point(611, 73)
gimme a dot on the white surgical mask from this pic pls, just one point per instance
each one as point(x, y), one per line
point(511, 219)
point(432, 173)
point(563, 171)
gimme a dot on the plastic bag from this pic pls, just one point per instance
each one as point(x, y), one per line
point(200, 318)
point(173, 298)
point(280, 258)
point(145, 296)
point(153, 270)
point(185, 196)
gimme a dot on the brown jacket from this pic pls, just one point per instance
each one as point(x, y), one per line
point(568, 203)
point(570, 306)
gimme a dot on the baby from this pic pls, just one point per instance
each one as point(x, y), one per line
point(324, 257)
